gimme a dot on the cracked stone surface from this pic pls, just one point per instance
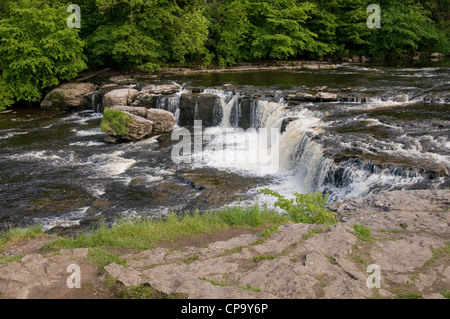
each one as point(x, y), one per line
point(409, 243)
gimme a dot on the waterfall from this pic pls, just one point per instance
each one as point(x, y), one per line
point(172, 103)
point(268, 113)
point(227, 109)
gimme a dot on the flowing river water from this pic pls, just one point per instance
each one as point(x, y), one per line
point(346, 131)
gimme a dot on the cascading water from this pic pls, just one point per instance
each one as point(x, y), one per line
point(371, 130)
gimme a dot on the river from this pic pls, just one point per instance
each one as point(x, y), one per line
point(347, 131)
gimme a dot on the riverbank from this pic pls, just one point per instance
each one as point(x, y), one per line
point(404, 233)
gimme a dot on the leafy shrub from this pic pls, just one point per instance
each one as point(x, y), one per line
point(37, 51)
point(114, 121)
point(305, 208)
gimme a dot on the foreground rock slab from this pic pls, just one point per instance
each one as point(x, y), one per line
point(408, 244)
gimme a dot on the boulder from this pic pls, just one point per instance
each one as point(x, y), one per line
point(165, 89)
point(327, 97)
point(68, 96)
point(146, 99)
point(136, 110)
point(437, 55)
point(137, 128)
point(163, 121)
point(119, 97)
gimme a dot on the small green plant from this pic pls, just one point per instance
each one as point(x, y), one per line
point(221, 283)
point(250, 288)
point(445, 293)
point(257, 259)
point(304, 208)
point(234, 250)
point(114, 121)
point(4, 259)
point(331, 259)
point(191, 259)
point(100, 257)
point(312, 232)
point(143, 291)
point(363, 233)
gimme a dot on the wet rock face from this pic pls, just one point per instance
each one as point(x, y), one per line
point(163, 121)
point(68, 96)
point(199, 107)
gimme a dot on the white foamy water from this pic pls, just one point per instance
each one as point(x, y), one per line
point(11, 134)
point(87, 132)
point(35, 155)
point(112, 164)
point(87, 144)
point(65, 220)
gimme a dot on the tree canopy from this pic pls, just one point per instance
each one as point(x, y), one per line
point(38, 50)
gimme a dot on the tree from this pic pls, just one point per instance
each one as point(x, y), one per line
point(281, 29)
point(405, 29)
point(229, 31)
point(37, 51)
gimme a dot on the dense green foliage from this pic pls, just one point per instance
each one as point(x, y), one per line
point(38, 50)
point(305, 208)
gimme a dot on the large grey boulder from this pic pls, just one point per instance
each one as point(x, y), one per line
point(137, 128)
point(136, 110)
point(119, 97)
point(68, 96)
point(163, 121)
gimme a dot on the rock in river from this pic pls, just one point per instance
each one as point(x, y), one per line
point(68, 96)
point(119, 97)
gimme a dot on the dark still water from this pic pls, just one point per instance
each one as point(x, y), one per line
point(371, 128)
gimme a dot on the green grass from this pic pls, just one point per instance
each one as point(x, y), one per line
point(264, 257)
point(146, 234)
point(100, 257)
point(363, 233)
point(445, 293)
point(9, 259)
point(410, 295)
point(115, 121)
point(221, 283)
point(331, 259)
point(16, 234)
point(234, 250)
point(191, 259)
point(313, 232)
point(250, 288)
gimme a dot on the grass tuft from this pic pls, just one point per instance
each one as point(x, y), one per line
point(17, 234)
point(147, 233)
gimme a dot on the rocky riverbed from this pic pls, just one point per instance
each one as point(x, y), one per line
point(408, 244)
